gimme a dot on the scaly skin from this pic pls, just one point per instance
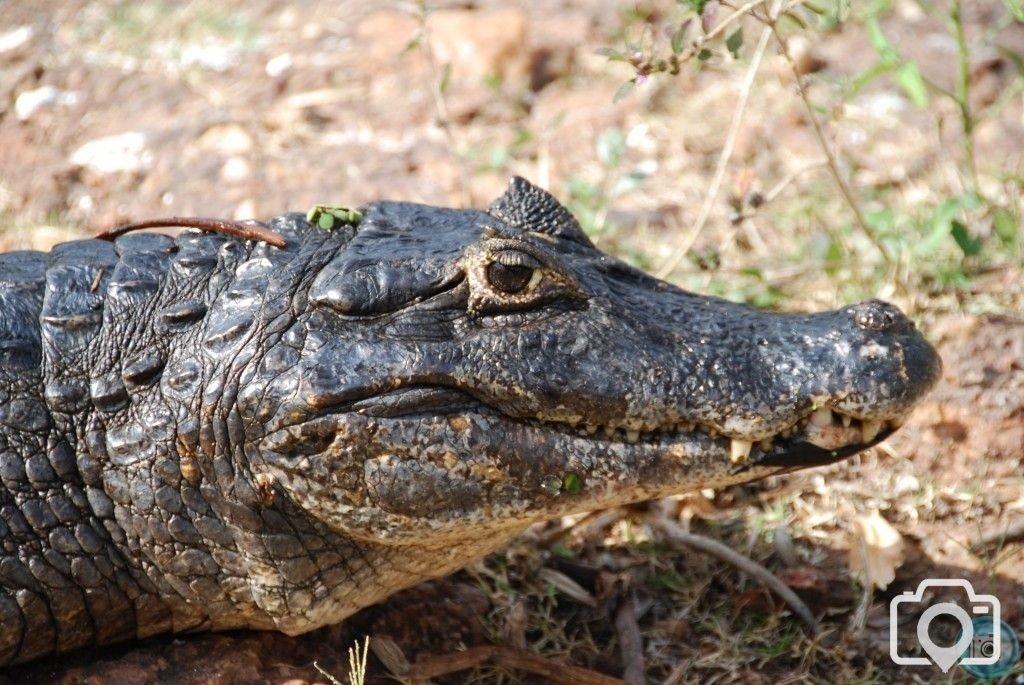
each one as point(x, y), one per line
point(206, 433)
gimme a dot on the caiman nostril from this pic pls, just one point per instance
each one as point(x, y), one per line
point(875, 315)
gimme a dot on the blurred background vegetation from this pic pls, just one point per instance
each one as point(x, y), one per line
point(818, 151)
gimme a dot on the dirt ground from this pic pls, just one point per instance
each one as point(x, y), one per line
point(114, 111)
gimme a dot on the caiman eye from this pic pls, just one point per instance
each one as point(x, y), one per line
point(513, 272)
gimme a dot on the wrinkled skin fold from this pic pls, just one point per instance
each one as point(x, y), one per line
point(205, 433)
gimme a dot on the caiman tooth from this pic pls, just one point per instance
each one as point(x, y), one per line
point(739, 451)
point(847, 420)
point(765, 444)
point(869, 430)
point(822, 418)
point(591, 428)
point(609, 431)
point(632, 436)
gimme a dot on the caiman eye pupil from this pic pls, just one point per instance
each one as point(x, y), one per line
point(509, 278)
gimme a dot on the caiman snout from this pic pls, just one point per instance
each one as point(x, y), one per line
point(876, 315)
point(866, 366)
point(887, 363)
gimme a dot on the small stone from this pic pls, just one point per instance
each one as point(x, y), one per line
point(14, 39)
point(246, 209)
point(208, 54)
point(31, 101)
point(235, 169)
point(122, 152)
point(227, 139)
point(278, 65)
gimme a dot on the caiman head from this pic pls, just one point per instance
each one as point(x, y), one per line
point(457, 375)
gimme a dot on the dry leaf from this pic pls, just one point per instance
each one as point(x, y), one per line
point(877, 550)
point(391, 655)
point(567, 586)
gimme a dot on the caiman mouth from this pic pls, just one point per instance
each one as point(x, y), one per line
point(822, 436)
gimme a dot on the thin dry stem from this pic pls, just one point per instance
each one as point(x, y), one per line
point(552, 671)
point(676, 533)
point(248, 230)
point(962, 97)
point(631, 643)
point(726, 154)
point(819, 132)
point(437, 87)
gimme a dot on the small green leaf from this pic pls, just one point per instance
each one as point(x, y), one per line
point(910, 79)
point(492, 81)
point(612, 54)
point(611, 147)
point(942, 221)
point(498, 157)
point(865, 77)
point(1005, 226)
point(796, 19)
point(572, 484)
point(886, 53)
point(561, 551)
point(523, 136)
point(836, 12)
point(704, 55)
point(327, 217)
point(623, 90)
point(678, 39)
point(834, 252)
point(1016, 9)
point(552, 485)
point(734, 42)
point(412, 44)
point(446, 78)
point(325, 221)
point(968, 245)
point(629, 182)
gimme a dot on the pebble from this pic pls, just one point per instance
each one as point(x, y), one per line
point(15, 38)
point(122, 152)
point(276, 66)
point(31, 101)
point(235, 169)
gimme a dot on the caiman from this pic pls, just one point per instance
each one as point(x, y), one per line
point(207, 432)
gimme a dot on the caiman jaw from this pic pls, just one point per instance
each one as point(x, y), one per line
point(821, 437)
